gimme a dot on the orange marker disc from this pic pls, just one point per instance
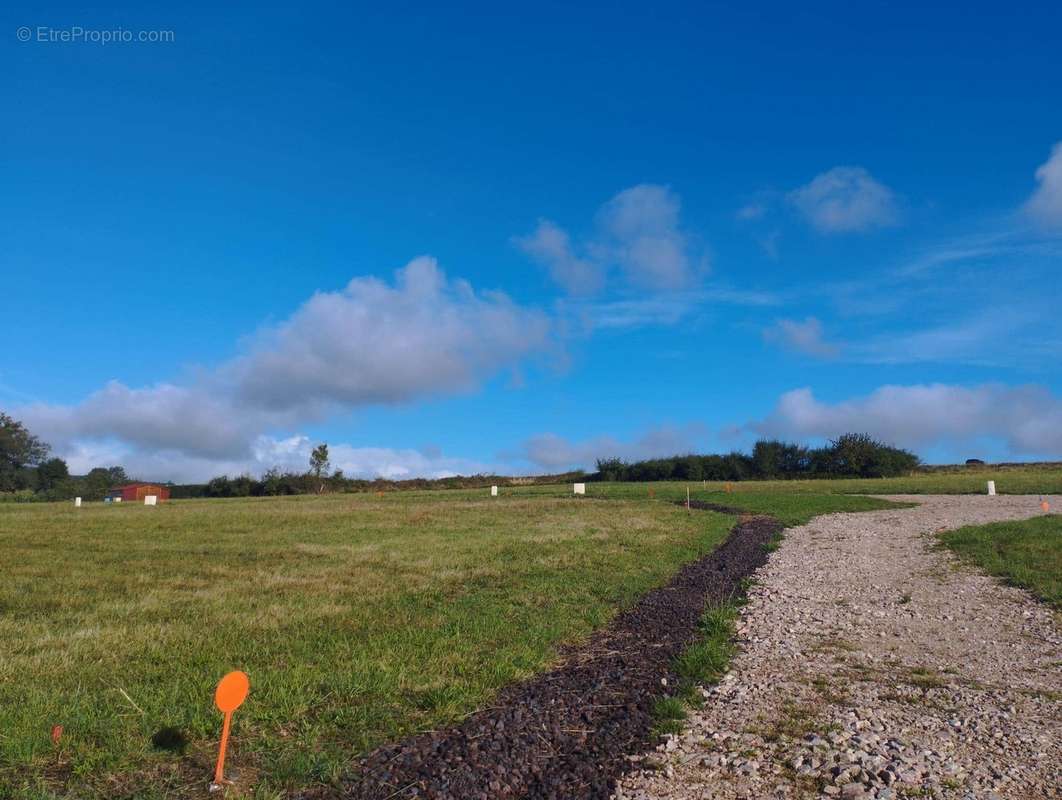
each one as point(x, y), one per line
point(231, 691)
point(1045, 506)
point(230, 694)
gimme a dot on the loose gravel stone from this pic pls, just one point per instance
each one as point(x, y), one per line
point(874, 666)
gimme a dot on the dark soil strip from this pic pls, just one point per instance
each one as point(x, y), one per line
point(565, 734)
point(701, 505)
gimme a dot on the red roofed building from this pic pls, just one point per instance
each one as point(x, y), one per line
point(136, 492)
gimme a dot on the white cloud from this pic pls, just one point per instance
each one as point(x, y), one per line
point(803, 337)
point(845, 199)
point(1045, 205)
point(637, 234)
point(556, 453)
point(551, 246)
point(642, 234)
point(987, 340)
point(371, 343)
point(377, 343)
point(192, 420)
point(1027, 419)
point(267, 452)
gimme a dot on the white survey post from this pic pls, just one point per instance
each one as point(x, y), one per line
point(991, 488)
point(77, 502)
point(493, 491)
point(151, 499)
point(580, 488)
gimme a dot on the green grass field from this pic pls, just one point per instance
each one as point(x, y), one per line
point(360, 618)
point(1009, 480)
point(1026, 553)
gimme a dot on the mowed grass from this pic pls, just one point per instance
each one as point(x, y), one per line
point(796, 501)
point(1009, 480)
point(360, 619)
point(793, 507)
point(1027, 553)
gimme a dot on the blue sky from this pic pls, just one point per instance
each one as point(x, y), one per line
point(476, 237)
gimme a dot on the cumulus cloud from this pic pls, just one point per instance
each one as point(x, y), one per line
point(550, 245)
point(802, 337)
point(377, 343)
point(1045, 205)
point(556, 453)
point(637, 236)
point(642, 235)
point(371, 343)
point(1027, 419)
point(844, 200)
point(268, 452)
point(192, 420)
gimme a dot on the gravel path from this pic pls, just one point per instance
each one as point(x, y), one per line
point(875, 666)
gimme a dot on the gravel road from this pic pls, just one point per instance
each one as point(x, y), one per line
point(873, 665)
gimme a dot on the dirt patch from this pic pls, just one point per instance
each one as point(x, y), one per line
point(701, 505)
point(566, 733)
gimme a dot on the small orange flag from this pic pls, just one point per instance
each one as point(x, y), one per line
point(230, 694)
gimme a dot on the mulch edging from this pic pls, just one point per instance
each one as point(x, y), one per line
point(566, 733)
point(703, 505)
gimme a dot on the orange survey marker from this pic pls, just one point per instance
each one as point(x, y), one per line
point(230, 694)
point(1045, 505)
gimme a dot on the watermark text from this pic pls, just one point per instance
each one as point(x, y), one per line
point(75, 34)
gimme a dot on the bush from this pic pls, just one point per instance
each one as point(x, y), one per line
point(855, 455)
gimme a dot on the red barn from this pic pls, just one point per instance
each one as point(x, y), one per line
point(136, 492)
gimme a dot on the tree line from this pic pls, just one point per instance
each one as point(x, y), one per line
point(853, 455)
point(28, 473)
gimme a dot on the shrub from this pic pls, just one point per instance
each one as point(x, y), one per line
point(851, 455)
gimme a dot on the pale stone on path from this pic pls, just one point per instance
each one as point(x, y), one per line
point(580, 488)
point(874, 665)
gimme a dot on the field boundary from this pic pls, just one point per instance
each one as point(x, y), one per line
point(568, 732)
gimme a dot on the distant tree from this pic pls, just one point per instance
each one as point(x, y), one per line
point(18, 449)
point(118, 476)
point(611, 469)
point(272, 482)
point(219, 487)
point(51, 473)
point(241, 486)
point(319, 463)
point(859, 454)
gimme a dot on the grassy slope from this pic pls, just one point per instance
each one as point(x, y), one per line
point(1012, 480)
point(1026, 553)
point(359, 618)
point(1020, 480)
